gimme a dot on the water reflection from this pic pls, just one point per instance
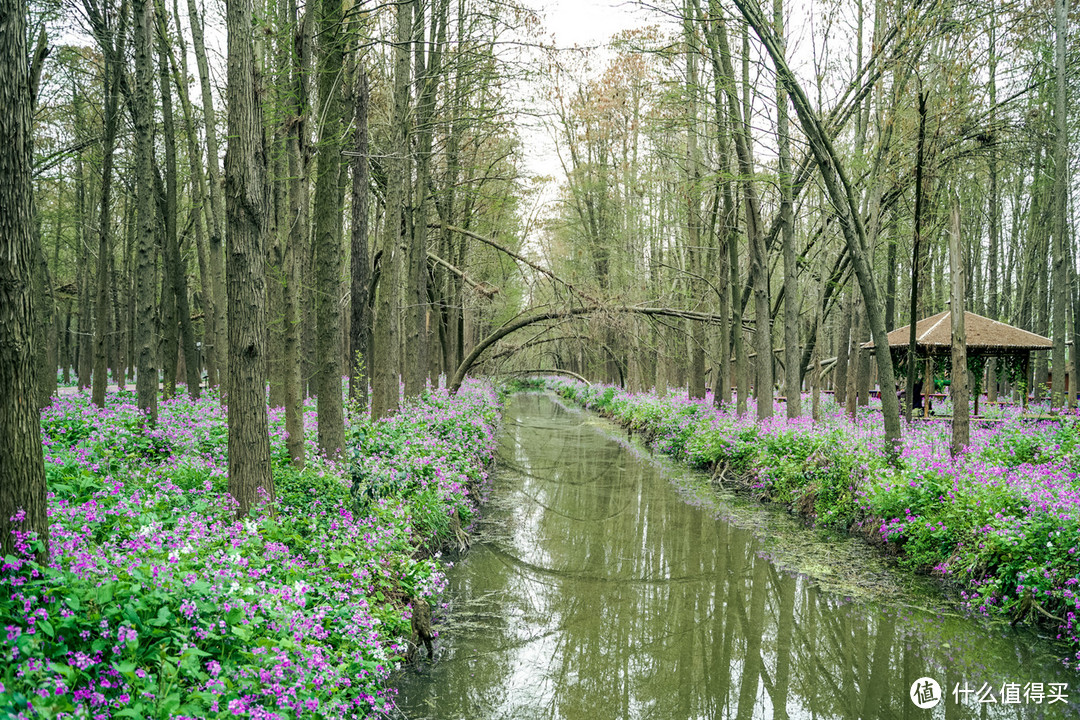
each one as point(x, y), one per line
point(600, 593)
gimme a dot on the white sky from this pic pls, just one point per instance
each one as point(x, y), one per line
point(569, 23)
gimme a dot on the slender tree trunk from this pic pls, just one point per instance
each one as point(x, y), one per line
point(958, 388)
point(360, 326)
point(841, 194)
point(203, 209)
point(1061, 191)
point(295, 243)
point(840, 372)
point(178, 332)
point(695, 250)
point(217, 205)
point(385, 354)
point(247, 204)
point(851, 390)
point(146, 385)
point(763, 386)
point(22, 492)
point(101, 329)
point(792, 354)
point(328, 220)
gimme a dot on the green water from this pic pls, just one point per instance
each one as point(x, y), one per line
point(606, 584)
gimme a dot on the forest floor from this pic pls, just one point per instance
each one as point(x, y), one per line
point(1001, 523)
point(157, 602)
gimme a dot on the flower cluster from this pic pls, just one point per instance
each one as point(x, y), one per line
point(1001, 521)
point(157, 602)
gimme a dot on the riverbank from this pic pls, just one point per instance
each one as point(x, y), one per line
point(1001, 523)
point(157, 603)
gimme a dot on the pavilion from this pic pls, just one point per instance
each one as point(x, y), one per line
point(985, 337)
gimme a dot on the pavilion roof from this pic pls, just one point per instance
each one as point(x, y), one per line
point(934, 335)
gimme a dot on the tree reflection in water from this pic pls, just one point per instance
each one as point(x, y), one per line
point(597, 591)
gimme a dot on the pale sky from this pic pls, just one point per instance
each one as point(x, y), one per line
point(586, 23)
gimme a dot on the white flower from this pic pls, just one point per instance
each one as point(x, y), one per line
point(298, 587)
point(250, 525)
point(234, 587)
point(249, 591)
point(187, 549)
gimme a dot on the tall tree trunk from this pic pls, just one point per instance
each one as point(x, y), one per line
point(840, 192)
point(763, 385)
point(247, 203)
point(112, 74)
point(360, 325)
point(958, 387)
point(328, 220)
point(203, 210)
point(217, 205)
point(792, 354)
point(385, 360)
point(175, 269)
point(695, 250)
point(146, 385)
point(916, 262)
point(1061, 191)
point(296, 242)
point(22, 492)
point(851, 391)
point(843, 355)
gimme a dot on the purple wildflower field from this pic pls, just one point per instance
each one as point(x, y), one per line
point(1000, 523)
point(156, 602)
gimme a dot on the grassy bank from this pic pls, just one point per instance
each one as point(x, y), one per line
point(155, 602)
point(1002, 522)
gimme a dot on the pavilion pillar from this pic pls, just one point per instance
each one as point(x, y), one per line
point(928, 385)
point(1027, 379)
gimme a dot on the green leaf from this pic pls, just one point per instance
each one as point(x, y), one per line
point(72, 601)
point(46, 627)
point(66, 670)
point(164, 616)
point(241, 632)
point(105, 593)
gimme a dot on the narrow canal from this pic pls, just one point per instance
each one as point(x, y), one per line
point(604, 584)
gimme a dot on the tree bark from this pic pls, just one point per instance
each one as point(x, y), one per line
point(958, 388)
point(328, 220)
point(203, 209)
point(792, 355)
point(22, 467)
point(385, 353)
point(217, 205)
point(296, 242)
point(695, 251)
point(1061, 191)
point(146, 385)
point(360, 326)
point(247, 204)
point(843, 353)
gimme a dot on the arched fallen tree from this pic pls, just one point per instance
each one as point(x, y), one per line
point(552, 371)
point(526, 321)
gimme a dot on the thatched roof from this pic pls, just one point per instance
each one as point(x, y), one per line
point(934, 335)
